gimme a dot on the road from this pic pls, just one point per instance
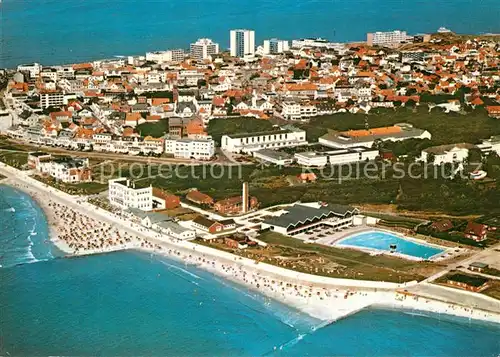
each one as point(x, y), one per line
point(479, 256)
point(119, 157)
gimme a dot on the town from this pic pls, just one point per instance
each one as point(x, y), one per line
point(297, 106)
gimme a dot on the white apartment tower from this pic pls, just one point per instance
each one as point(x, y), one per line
point(274, 46)
point(242, 43)
point(203, 48)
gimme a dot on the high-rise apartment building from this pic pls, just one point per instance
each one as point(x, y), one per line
point(274, 46)
point(203, 48)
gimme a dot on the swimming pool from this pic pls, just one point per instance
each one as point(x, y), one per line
point(381, 241)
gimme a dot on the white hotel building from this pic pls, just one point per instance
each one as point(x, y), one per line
point(198, 149)
point(286, 137)
point(124, 194)
point(203, 48)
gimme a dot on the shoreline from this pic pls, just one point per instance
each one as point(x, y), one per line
point(327, 299)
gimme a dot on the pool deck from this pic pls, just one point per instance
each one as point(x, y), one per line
point(335, 239)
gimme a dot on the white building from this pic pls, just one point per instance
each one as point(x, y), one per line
point(274, 46)
point(336, 157)
point(298, 111)
point(490, 145)
point(198, 149)
point(446, 154)
point(176, 55)
point(203, 48)
point(312, 159)
point(242, 43)
point(54, 99)
point(366, 138)
point(65, 169)
point(310, 42)
point(124, 194)
point(274, 157)
point(387, 39)
point(288, 136)
point(34, 69)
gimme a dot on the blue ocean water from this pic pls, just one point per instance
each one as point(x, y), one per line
point(55, 31)
point(382, 241)
point(132, 303)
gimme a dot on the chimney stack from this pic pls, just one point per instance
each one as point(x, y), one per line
point(244, 200)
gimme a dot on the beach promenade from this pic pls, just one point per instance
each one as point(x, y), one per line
point(80, 228)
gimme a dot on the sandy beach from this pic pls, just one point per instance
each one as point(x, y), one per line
point(79, 228)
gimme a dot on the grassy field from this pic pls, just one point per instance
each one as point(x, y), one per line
point(155, 130)
point(85, 188)
point(273, 186)
point(219, 127)
point(446, 128)
point(345, 263)
point(14, 159)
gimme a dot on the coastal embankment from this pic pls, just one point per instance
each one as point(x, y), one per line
point(80, 228)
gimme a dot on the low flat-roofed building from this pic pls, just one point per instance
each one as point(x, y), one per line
point(34, 158)
point(274, 157)
point(162, 223)
point(175, 230)
point(490, 145)
point(288, 136)
point(478, 266)
point(311, 158)
point(301, 217)
point(468, 282)
point(366, 137)
point(336, 157)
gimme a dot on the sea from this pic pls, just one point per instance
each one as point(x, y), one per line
point(68, 31)
point(134, 303)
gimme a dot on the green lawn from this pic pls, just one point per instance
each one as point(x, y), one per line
point(358, 264)
point(85, 188)
point(219, 127)
point(446, 128)
point(14, 159)
point(155, 130)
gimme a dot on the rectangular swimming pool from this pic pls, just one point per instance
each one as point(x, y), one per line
point(382, 241)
